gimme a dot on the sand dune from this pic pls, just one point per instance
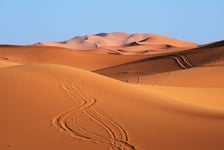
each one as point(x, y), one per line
point(210, 96)
point(166, 62)
point(71, 95)
point(117, 39)
point(56, 55)
point(6, 63)
point(196, 77)
point(70, 107)
point(139, 49)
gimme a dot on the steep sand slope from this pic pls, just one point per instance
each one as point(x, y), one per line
point(59, 107)
point(56, 55)
point(117, 39)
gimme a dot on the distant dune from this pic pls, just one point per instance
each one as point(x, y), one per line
point(118, 39)
point(113, 91)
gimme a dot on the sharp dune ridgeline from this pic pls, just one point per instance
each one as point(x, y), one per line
point(114, 91)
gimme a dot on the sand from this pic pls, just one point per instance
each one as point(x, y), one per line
point(59, 98)
point(56, 55)
point(117, 39)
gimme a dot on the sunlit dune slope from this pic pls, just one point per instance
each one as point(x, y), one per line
point(210, 97)
point(58, 107)
point(195, 77)
point(6, 63)
point(56, 55)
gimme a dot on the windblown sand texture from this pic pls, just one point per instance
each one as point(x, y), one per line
point(114, 91)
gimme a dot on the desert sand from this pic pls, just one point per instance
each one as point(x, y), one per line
point(128, 92)
point(118, 39)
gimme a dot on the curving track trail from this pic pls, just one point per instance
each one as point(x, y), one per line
point(116, 137)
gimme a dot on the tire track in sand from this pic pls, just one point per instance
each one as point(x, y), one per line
point(179, 62)
point(43, 53)
point(183, 61)
point(186, 60)
point(116, 137)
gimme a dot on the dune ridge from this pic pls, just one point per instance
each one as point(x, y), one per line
point(58, 55)
point(117, 39)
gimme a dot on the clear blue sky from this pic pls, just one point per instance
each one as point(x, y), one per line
point(30, 21)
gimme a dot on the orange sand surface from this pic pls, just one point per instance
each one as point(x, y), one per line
point(114, 96)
